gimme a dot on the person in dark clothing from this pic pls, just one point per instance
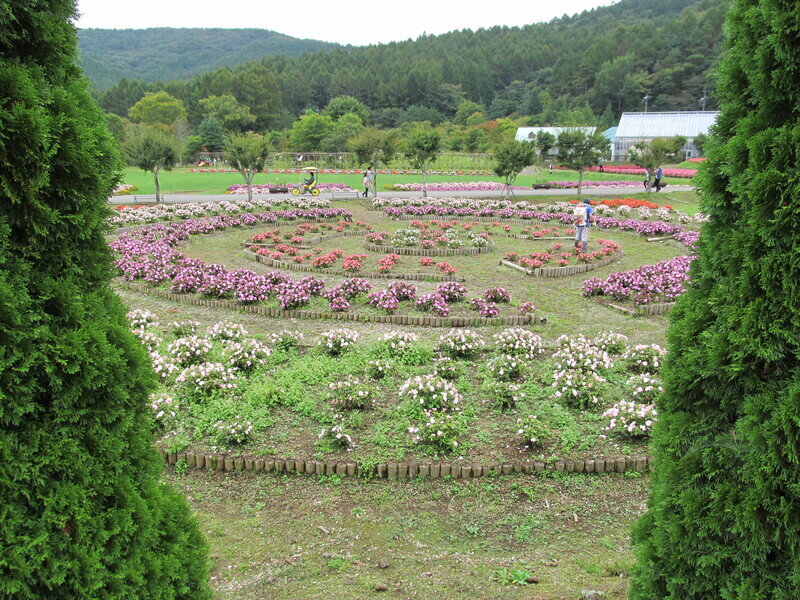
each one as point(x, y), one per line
point(657, 182)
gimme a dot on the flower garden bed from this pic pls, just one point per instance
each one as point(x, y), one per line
point(405, 251)
point(280, 264)
point(486, 403)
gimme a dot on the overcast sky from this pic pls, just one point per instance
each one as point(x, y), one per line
point(342, 21)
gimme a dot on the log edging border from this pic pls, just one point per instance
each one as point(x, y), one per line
point(260, 309)
point(404, 470)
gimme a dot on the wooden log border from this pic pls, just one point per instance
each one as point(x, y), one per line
point(565, 271)
point(656, 308)
point(259, 309)
point(404, 470)
point(279, 264)
point(405, 251)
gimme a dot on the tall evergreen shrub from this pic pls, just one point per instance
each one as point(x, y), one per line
point(83, 513)
point(724, 514)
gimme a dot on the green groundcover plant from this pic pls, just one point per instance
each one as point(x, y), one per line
point(84, 513)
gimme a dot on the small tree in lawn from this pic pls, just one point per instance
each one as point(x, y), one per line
point(247, 154)
point(422, 147)
point(152, 149)
point(649, 155)
point(545, 141)
point(374, 147)
point(510, 158)
point(578, 150)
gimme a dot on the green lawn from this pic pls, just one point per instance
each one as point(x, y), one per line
point(296, 537)
point(181, 181)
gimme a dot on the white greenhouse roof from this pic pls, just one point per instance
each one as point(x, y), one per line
point(665, 124)
point(526, 134)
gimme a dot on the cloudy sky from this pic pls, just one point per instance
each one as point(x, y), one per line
point(346, 22)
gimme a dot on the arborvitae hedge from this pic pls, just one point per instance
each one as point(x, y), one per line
point(83, 513)
point(724, 514)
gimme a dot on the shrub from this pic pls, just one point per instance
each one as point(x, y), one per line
point(428, 392)
point(286, 340)
point(461, 343)
point(189, 350)
point(503, 394)
point(335, 435)
point(336, 341)
point(234, 432)
point(644, 358)
point(446, 368)
point(378, 369)
point(518, 342)
point(351, 394)
point(630, 418)
point(206, 378)
point(507, 367)
point(225, 330)
point(247, 354)
point(438, 430)
point(533, 432)
point(74, 381)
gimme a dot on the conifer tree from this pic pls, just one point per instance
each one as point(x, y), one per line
point(722, 521)
point(84, 513)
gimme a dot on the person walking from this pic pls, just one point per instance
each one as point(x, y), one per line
point(366, 185)
point(583, 220)
point(657, 182)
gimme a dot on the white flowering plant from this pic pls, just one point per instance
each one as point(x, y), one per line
point(247, 354)
point(352, 394)
point(438, 430)
point(286, 340)
point(644, 358)
point(336, 341)
point(225, 330)
point(576, 388)
point(428, 392)
point(611, 343)
point(518, 342)
point(335, 435)
point(232, 432)
point(644, 388)
point(183, 328)
point(461, 343)
point(504, 395)
point(189, 350)
point(141, 318)
point(533, 432)
point(150, 339)
point(507, 367)
point(165, 410)
point(631, 419)
point(207, 377)
point(446, 368)
point(378, 369)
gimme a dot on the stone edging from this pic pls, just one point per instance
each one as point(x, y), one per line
point(566, 271)
point(404, 470)
point(406, 251)
point(260, 309)
point(278, 264)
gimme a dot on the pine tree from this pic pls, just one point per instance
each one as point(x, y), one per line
point(723, 519)
point(84, 514)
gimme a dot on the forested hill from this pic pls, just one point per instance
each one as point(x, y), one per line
point(164, 53)
point(588, 66)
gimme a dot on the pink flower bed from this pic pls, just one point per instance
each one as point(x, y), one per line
point(456, 186)
point(634, 170)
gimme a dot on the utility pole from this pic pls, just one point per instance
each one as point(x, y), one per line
point(646, 100)
point(703, 100)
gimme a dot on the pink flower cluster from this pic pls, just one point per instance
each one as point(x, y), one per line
point(634, 170)
point(663, 281)
point(566, 185)
point(264, 189)
point(455, 186)
point(388, 262)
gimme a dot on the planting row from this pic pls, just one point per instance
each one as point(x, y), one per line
point(222, 388)
point(136, 215)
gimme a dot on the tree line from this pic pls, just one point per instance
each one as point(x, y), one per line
point(588, 68)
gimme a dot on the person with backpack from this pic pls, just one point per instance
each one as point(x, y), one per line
point(583, 220)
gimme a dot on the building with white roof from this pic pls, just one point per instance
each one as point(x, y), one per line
point(645, 126)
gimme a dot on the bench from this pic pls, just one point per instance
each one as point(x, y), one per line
point(353, 194)
point(146, 198)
